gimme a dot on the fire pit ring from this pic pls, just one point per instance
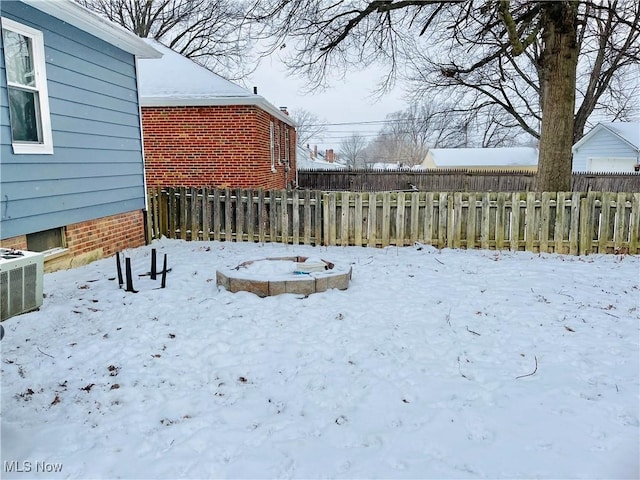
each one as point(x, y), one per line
point(274, 276)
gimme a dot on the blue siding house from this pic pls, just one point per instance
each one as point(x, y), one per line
point(71, 160)
point(608, 147)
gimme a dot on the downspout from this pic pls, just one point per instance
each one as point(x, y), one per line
point(144, 167)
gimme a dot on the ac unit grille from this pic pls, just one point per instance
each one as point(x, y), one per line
point(4, 295)
point(20, 284)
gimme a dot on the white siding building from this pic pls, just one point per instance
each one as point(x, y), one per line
point(608, 147)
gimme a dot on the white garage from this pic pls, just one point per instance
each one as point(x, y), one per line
point(608, 147)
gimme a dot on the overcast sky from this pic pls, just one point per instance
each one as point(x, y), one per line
point(347, 101)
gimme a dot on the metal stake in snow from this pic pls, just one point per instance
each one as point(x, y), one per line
point(163, 283)
point(153, 264)
point(119, 267)
point(127, 266)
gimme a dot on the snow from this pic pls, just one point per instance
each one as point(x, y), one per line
point(174, 75)
point(175, 80)
point(433, 364)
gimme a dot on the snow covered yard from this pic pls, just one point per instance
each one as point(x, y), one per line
point(433, 364)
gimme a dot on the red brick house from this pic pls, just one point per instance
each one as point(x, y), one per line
point(200, 129)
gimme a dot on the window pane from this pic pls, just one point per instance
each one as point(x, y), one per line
point(24, 121)
point(18, 59)
point(46, 240)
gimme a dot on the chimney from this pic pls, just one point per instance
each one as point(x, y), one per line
point(255, 90)
point(315, 151)
point(330, 156)
point(284, 110)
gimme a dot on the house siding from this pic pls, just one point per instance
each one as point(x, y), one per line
point(603, 143)
point(213, 146)
point(96, 169)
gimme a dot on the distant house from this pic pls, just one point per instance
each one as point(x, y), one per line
point(312, 159)
point(608, 147)
point(71, 168)
point(203, 130)
point(505, 158)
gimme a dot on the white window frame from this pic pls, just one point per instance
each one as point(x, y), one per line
point(272, 146)
point(286, 145)
point(45, 146)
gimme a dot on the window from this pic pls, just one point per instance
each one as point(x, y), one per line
point(47, 240)
point(286, 145)
point(272, 147)
point(27, 88)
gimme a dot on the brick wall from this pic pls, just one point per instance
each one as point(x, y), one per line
point(214, 146)
point(110, 234)
point(19, 243)
point(92, 240)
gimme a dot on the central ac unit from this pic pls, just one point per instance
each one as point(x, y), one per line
point(21, 281)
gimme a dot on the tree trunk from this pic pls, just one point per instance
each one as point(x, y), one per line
point(559, 61)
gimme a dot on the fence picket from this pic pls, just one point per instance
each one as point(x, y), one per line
point(620, 222)
point(386, 217)
point(443, 207)
point(217, 215)
point(471, 222)
point(400, 219)
point(486, 222)
point(273, 216)
point(344, 219)
point(284, 217)
point(251, 216)
point(306, 234)
point(357, 220)
point(514, 234)
point(261, 211)
point(371, 219)
point(318, 217)
point(183, 214)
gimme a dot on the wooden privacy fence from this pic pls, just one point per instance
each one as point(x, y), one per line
point(456, 180)
point(577, 223)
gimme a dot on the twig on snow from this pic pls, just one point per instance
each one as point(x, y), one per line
point(460, 370)
point(448, 317)
point(566, 295)
point(471, 331)
point(44, 353)
point(441, 263)
point(534, 370)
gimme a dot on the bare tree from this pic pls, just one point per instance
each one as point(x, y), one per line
point(308, 125)
point(407, 135)
point(210, 32)
point(352, 151)
point(523, 57)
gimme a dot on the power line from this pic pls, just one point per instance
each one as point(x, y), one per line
point(370, 122)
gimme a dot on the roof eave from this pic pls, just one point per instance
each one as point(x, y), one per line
point(84, 19)
point(201, 101)
point(595, 130)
